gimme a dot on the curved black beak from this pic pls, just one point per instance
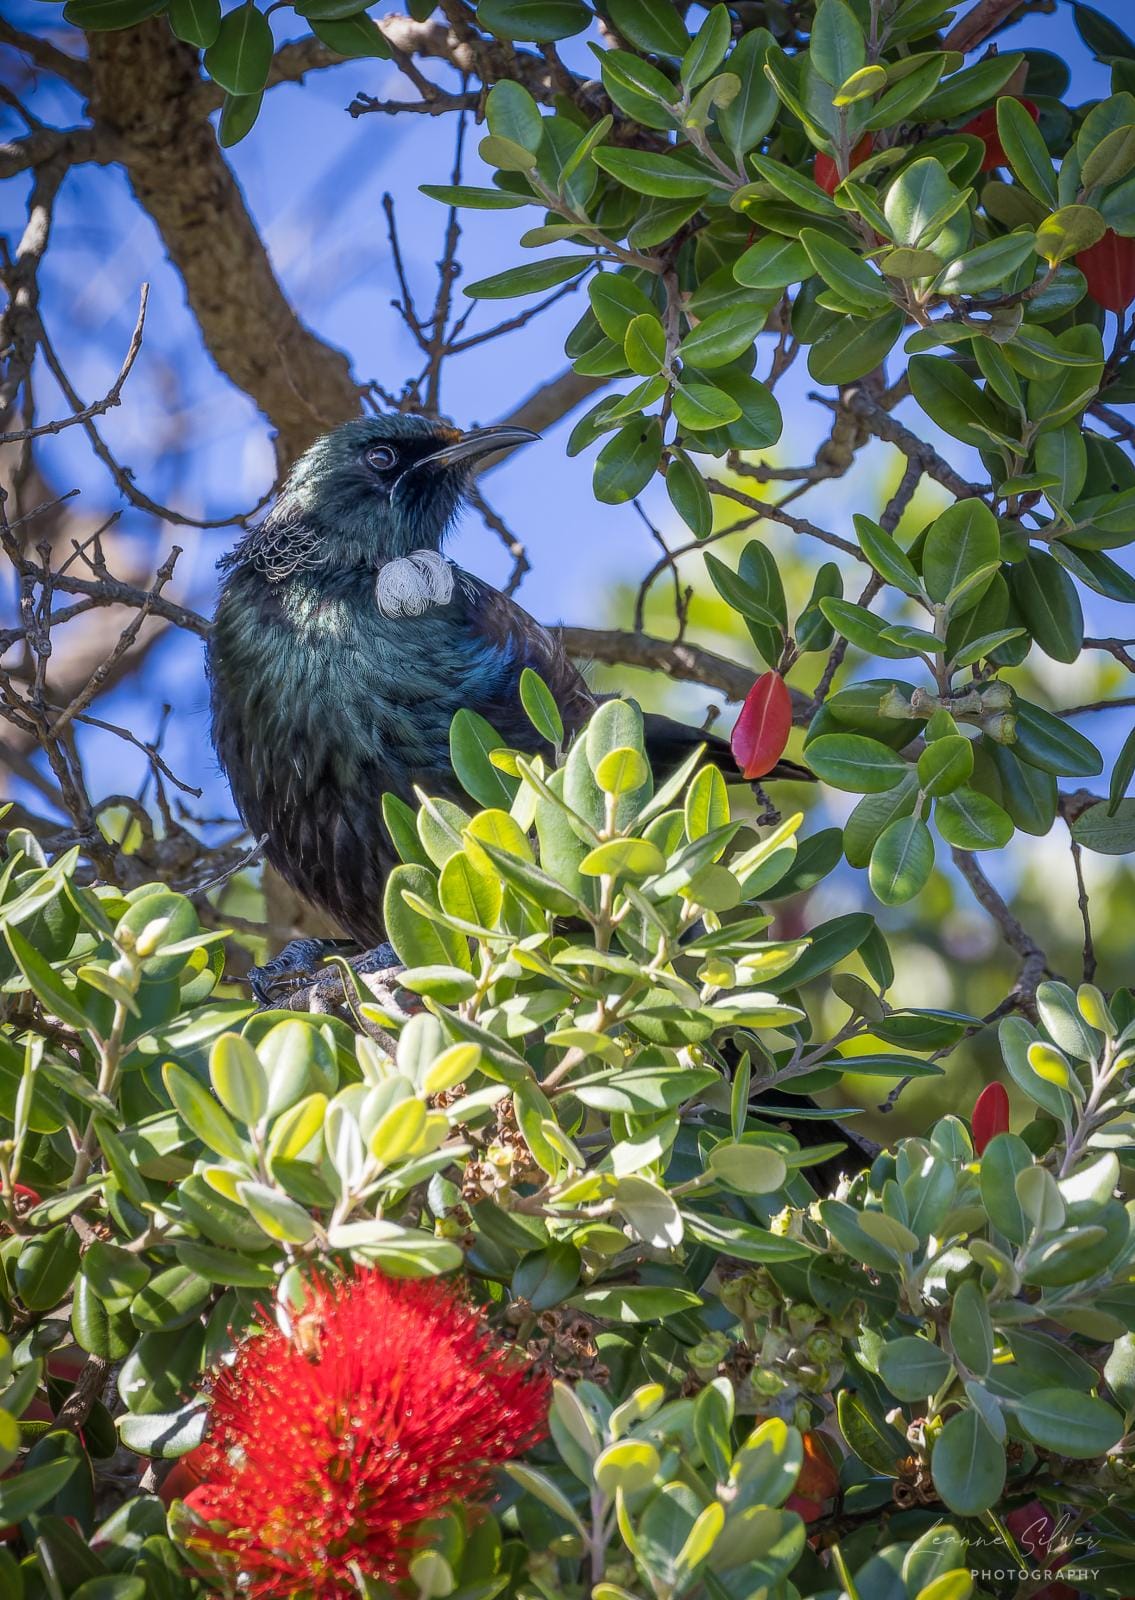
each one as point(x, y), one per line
point(476, 443)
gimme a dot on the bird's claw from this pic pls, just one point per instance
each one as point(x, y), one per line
point(295, 967)
point(296, 980)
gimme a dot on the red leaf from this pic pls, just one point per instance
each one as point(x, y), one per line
point(984, 127)
point(763, 727)
point(990, 1115)
point(1109, 267)
point(825, 171)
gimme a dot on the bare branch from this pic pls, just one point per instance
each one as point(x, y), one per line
point(1034, 963)
point(884, 426)
point(48, 56)
point(145, 89)
point(986, 17)
point(113, 396)
point(773, 513)
point(678, 659)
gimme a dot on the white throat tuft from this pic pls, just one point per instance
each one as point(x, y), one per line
point(410, 585)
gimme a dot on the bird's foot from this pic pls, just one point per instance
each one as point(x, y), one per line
point(294, 968)
point(296, 980)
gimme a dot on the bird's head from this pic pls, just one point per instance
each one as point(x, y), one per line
point(379, 487)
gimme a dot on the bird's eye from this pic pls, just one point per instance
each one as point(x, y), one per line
point(381, 457)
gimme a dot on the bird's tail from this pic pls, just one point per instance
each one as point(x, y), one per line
point(669, 743)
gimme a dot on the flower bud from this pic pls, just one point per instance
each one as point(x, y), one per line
point(997, 696)
point(1001, 728)
point(151, 936)
point(894, 704)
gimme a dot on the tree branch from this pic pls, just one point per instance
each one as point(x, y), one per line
point(1033, 960)
point(146, 88)
point(48, 56)
point(684, 662)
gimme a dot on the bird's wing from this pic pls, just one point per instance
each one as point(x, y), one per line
point(515, 637)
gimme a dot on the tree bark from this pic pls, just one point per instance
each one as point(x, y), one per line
point(145, 88)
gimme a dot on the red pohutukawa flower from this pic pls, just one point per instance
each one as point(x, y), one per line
point(1109, 267)
point(762, 729)
point(990, 1115)
point(323, 1458)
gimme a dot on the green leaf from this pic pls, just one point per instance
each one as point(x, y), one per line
point(459, 194)
point(775, 263)
point(98, 15)
point(627, 462)
point(238, 116)
point(952, 400)
point(47, 984)
point(649, 173)
point(358, 38)
point(204, 1118)
point(971, 1330)
point(699, 407)
point(845, 353)
point(1107, 832)
point(901, 861)
point(1028, 155)
point(968, 1465)
point(512, 114)
point(1046, 741)
point(1068, 231)
point(240, 1081)
point(707, 48)
point(913, 1368)
point(972, 87)
point(531, 278)
point(945, 764)
point(885, 556)
point(419, 941)
point(988, 265)
point(837, 48)
point(541, 21)
point(918, 202)
point(1070, 1423)
point(688, 494)
point(632, 1304)
point(720, 338)
point(280, 1217)
point(1101, 35)
point(241, 55)
point(471, 740)
point(651, 27)
point(22, 1495)
point(1122, 773)
point(1049, 604)
point(744, 1240)
point(167, 1434)
point(960, 543)
point(851, 761)
point(540, 707)
point(971, 821)
point(751, 113)
point(196, 22)
point(844, 271)
point(877, 1444)
point(644, 345)
point(861, 85)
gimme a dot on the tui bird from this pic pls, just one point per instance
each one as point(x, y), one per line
point(342, 646)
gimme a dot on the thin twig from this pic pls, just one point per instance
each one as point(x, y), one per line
point(111, 398)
